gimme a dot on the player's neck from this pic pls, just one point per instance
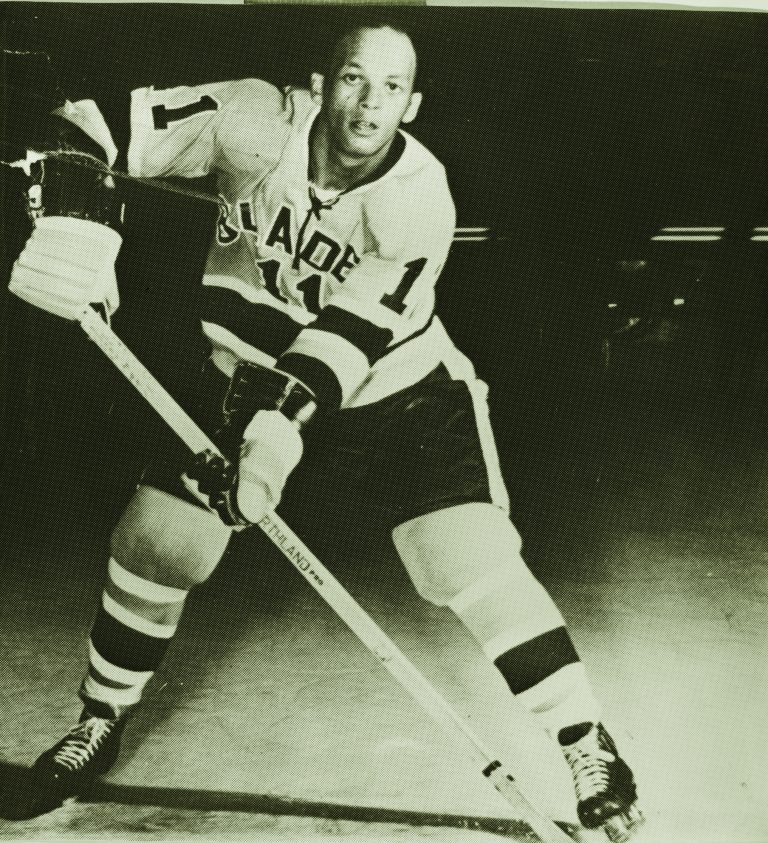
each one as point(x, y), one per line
point(331, 169)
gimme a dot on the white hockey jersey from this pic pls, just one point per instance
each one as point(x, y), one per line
point(338, 289)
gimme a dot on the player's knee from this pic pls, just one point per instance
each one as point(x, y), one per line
point(167, 540)
point(447, 551)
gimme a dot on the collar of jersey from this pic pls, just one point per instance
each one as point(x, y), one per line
point(410, 159)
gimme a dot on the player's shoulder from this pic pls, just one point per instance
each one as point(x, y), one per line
point(254, 100)
point(417, 164)
point(258, 120)
point(257, 98)
point(412, 201)
point(418, 180)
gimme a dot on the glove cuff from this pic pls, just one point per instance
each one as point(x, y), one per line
point(254, 387)
point(96, 243)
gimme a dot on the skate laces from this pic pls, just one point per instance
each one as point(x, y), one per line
point(589, 763)
point(83, 741)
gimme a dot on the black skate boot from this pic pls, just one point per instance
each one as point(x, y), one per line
point(605, 788)
point(70, 767)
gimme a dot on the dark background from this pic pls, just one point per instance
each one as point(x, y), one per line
point(573, 135)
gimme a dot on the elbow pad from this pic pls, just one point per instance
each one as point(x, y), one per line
point(71, 178)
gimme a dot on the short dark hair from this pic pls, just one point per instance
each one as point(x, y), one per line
point(345, 36)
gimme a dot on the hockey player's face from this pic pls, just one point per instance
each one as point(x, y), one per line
point(371, 92)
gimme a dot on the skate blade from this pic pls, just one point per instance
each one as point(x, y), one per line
point(586, 835)
point(622, 827)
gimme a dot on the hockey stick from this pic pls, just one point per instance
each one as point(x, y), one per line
point(329, 588)
point(463, 234)
point(91, 162)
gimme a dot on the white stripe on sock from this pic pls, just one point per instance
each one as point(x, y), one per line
point(114, 697)
point(562, 699)
point(132, 621)
point(115, 673)
point(138, 587)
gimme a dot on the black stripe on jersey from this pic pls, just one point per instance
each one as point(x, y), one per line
point(125, 647)
point(369, 338)
point(315, 374)
point(264, 327)
point(534, 661)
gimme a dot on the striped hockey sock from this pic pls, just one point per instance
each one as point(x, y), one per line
point(521, 630)
point(133, 628)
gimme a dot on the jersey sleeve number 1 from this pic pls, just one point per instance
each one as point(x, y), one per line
point(396, 301)
point(162, 115)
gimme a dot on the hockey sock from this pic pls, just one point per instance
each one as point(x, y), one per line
point(521, 630)
point(133, 628)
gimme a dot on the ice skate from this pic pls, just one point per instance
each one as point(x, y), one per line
point(605, 787)
point(89, 750)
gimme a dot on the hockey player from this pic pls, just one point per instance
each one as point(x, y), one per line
point(318, 303)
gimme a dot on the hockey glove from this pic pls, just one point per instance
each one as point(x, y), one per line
point(69, 260)
point(271, 444)
point(66, 265)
